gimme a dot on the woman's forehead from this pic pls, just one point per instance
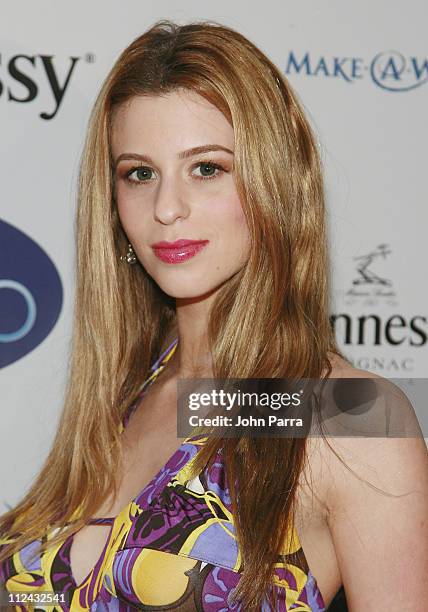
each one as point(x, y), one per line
point(182, 116)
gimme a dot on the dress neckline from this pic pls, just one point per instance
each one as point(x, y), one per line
point(170, 472)
point(157, 367)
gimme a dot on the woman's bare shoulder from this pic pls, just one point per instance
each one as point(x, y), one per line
point(339, 464)
point(373, 494)
point(343, 368)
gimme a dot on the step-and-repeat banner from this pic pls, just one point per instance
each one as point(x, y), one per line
point(361, 72)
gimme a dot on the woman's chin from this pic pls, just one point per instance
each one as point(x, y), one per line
point(188, 291)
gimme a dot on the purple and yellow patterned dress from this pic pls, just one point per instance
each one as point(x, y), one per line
point(173, 547)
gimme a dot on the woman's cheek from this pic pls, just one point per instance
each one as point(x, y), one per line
point(242, 232)
point(233, 229)
point(239, 220)
point(129, 209)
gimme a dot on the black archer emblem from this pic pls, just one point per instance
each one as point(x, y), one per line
point(367, 276)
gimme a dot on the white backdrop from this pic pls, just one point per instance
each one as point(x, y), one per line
point(361, 71)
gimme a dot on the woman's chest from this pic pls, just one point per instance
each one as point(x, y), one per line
point(148, 442)
point(173, 546)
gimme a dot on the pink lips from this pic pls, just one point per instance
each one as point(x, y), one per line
point(178, 251)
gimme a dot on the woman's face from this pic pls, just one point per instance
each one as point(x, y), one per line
point(173, 158)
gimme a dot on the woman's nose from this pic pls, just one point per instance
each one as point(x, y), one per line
point(171, 201)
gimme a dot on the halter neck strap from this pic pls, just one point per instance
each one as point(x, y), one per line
point(165, 356)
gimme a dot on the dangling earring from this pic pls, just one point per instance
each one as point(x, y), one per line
point(130, 256)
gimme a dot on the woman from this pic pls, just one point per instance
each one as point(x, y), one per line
point(197, 137)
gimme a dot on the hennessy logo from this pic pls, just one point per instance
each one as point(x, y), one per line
point(367, 276)
point(22, 77)
point(369, 281)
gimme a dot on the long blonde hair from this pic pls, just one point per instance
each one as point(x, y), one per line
point(269, 320)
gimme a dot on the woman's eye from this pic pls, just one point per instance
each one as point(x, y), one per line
point(140, 175)
point(144, 174)
point(208, 170)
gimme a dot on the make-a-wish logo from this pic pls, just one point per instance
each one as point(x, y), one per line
point(368, 282)
point(389, 70)
point(31, 294)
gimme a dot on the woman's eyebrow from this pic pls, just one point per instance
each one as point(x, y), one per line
point(203, 149)
point(183, 155)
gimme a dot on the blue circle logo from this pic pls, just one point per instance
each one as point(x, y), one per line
point(31, 294)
